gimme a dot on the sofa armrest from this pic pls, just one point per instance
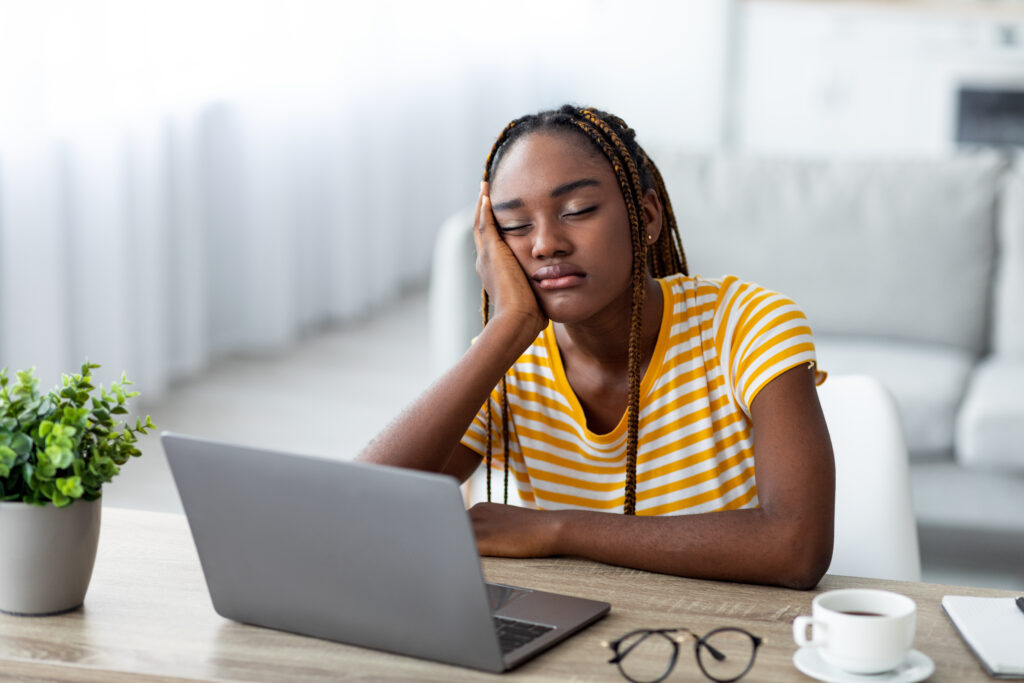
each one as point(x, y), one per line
point(454, 292)
point(1008, 291)
point(990, 425)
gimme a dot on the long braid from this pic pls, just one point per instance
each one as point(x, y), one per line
point(634, 192)
point(504, 437)
point(668, 258)
point(488, 457)
point(486, 313)
point(635, 173)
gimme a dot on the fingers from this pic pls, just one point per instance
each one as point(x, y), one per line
point(485, 223)
point(508, 531)
point(486, 521)
point(485, 229)
point(478, 216)
point(484, 192)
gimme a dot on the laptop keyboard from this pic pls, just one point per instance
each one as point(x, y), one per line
point(513, 634)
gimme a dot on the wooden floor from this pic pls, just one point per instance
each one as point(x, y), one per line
point(333, 392)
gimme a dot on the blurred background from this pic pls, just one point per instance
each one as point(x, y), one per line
point(236, 202)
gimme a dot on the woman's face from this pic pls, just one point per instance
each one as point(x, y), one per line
point(559, 208)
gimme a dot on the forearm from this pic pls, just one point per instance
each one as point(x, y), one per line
point(752, 546)
point(425, 434)
point(786, 541)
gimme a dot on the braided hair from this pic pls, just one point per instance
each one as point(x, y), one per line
point(636, 173)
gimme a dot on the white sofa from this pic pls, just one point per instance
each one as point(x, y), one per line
point(911, 271)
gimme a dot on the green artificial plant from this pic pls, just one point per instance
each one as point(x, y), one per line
point(53, 447)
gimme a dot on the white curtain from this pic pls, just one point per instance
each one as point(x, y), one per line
point(183, 180)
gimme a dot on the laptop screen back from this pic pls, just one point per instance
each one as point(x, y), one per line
point(357, 553)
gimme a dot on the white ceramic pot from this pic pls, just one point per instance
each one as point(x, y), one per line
point(48, 555)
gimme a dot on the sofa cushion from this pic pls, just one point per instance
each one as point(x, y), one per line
point(990, 426)
point(1008, 297)
point(895, 249)
point(927, 382)
point(947, 495)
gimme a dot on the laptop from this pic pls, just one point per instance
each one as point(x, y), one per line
point(370, 555)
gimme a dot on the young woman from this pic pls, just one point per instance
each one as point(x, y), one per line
point(651, 419)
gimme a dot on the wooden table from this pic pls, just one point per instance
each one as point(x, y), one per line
point(148, 617)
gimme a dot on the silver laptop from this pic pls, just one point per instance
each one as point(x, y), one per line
point(374, 556)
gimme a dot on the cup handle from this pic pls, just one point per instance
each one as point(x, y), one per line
point(800, 625)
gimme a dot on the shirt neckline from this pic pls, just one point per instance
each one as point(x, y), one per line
point(650, 374)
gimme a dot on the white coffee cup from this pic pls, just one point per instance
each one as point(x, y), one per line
point(859, 630)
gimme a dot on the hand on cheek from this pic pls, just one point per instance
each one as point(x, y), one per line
point(499, 270)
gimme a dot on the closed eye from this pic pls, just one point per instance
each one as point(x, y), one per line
point(504, 229)
point(512, 228)
point(582, 212)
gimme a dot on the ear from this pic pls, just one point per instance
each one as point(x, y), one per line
point(651, 207)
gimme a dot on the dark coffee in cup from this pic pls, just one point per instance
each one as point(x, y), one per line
point(859, 630)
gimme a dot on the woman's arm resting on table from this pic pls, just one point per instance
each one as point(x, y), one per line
point(787, 541)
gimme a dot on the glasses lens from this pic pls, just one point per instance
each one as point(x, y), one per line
point(651, 656)
point(726, 654)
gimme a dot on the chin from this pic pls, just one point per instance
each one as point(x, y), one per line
point(573, 306)
point(566, 314)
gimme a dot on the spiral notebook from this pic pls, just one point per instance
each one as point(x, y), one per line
point(993, 628)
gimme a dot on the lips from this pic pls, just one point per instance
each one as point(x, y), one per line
point(559, 276)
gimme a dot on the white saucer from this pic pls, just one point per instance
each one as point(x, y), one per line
point(918, 667)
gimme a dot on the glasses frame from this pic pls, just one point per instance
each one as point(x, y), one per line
point(676, 636)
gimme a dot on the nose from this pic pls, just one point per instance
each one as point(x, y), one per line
point(550, 240)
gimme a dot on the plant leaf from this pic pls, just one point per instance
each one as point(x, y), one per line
point(45, 470)
point(21, 444)
point(70, 486)
point(65, 443)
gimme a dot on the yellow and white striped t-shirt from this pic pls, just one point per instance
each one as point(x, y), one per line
point(720, 342)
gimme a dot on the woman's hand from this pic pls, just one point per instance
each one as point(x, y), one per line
point(502, 276)
point(511, 531)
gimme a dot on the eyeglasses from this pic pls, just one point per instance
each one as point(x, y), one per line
point(649, 655)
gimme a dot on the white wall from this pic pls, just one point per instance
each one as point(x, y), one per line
point(184, 180)
point(866, 79)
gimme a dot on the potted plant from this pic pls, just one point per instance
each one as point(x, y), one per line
point(56, 452)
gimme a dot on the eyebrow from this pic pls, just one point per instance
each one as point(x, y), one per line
point(557, 192)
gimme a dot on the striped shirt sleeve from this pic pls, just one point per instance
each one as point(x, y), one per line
point(763, 334)
point(476, 438)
